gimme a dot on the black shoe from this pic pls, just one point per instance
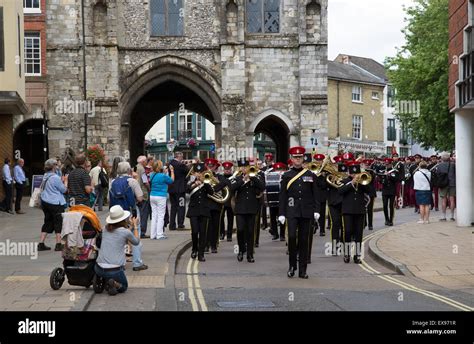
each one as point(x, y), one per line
point(229, 239)
point(250, 260)
point(240, 257)
point(193, 255)
point(347, 259)
point(256, 244)
point(144, 236)
point(282, 238)
point(58, 247)
point(291, 272)
point(309, 261)
point(201, 259)
point(390, 224)
point(357, 260)
point(387, 223)
point(206, 249)
point(322, 233)
point(140, 268)
point(181, 227)
point(275, 237)
point(371, 228)
point(43, 247)
point(303, 274)
point(172, 229)
point(113, 287)
point(214, 250)
point(222, 237)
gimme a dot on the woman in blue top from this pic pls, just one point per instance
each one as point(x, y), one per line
point(159, 182)
point(53, 204)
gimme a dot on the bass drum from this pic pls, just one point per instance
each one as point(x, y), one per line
point(272, 189)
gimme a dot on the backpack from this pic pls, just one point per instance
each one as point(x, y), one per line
point(103, 179)
point(122, 194)
point(442, 178)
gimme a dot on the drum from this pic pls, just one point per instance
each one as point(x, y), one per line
point(272, 189)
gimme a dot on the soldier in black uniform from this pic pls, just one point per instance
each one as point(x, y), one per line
point(389, 182)
point(353, 213)
point(268, 167)
point(216, 208)
point(263, 207)
point(335, 211)
point(372, 194)
point(298, 205)
point(323, 194)
point(400, 167)
point(247, 189)
point(228, 212)
point(198, 211)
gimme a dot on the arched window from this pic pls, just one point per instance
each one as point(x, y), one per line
point(167, 17)
point(263, 16)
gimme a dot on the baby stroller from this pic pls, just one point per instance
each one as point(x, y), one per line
point(80, 250)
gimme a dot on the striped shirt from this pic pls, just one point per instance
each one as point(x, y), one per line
point(77, 181)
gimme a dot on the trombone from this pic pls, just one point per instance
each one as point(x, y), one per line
point(222, 196)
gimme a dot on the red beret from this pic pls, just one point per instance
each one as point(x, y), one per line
point(337, 158)
point(279, 166)
point(227, 165)
point(211, 161)
point(348, 156)
point(387, 160)
point(297, 151)
point(319, 157)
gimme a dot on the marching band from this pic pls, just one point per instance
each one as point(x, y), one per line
point(298, 196)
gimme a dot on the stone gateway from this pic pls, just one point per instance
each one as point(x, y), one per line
point(246, 65)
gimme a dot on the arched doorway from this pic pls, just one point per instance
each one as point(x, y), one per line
point(160, 87)
point(28, 143)
point(278, 128)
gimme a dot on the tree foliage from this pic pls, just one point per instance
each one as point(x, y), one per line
point(419, 72)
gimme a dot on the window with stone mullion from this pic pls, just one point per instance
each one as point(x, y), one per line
point(272, 16)
point(167, 17)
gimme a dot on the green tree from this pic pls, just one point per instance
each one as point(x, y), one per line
point(419, 72)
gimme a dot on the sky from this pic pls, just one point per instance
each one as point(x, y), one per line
point(367, 28)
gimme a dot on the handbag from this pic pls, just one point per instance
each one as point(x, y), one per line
point(35, 200)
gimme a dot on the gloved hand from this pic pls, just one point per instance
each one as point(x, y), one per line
point(282, 219)
point(316, 216)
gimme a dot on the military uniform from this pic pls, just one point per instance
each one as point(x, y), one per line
point(389, 191)
point(227, 211)
point(372, 194)
point(262, 213)
point(199, 214)
point(246, 211)
point(353, 213)
point(298, 204)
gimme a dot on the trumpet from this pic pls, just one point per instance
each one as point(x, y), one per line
point(363, 178)
point(252, 171)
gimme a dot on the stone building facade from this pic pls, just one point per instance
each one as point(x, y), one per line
point(208, 57)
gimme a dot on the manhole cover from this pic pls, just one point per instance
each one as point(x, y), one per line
point(245, 304)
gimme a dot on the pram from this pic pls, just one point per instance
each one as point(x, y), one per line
point(79, 262)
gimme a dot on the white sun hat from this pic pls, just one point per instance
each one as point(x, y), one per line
point(117, 214)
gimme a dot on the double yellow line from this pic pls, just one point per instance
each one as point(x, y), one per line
point(194, 287)
point(411, 287)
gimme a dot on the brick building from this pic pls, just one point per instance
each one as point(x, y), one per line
point(461, 102)
point(248, 67)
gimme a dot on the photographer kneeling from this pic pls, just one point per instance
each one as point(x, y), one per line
point(111, 261)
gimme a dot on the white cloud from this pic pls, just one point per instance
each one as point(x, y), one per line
point(368, 28)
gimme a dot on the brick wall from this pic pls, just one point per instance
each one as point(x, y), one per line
point(6, 141)
point(458, 19)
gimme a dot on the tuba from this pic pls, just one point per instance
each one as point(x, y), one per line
point(334, 177)
point(221, 196)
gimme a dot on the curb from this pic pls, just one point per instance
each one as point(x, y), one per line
point(167, 298)
point(385, 260)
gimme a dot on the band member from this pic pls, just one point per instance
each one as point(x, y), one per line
point(323, 194)
point(216, 208)
point(268, 166)
point(408, 182)
point(335, 211)
point(261, 199)
point(371, 194)
point(353, 212)
point(281, 168)
point(389, 181)
point(298, 205)
point(198, 211)
point(228, 212)
point(177, 192)
point(247, 189)
point(400, 168)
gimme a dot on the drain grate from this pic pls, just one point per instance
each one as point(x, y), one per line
point(245, 304)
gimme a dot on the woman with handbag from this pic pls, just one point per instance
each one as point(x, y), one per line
point(423, 193)
point(53, 204)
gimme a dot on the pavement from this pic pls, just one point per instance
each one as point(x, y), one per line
point(438, 252)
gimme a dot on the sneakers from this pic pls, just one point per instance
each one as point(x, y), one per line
point(164, 237)
point(421, 222)
point(442, 219)
point(58, 247)
point(43, 247)
point(140, 268)
point(113, 287)
point(452, 219)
